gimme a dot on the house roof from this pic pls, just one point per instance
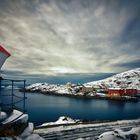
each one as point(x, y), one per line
point(4, 50)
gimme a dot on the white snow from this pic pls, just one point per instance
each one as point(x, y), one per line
point(80, 125)
point(45, 87)
point(15, 114)
point(108, 130)
point(22, 119)
point(28, 131)
point(129, 79)
point(34, 137)
point(101, 94)
point(119, 134)
point(61, 120)
point(3, 115)
point(19, 117)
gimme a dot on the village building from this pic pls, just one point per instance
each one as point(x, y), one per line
point(86, 89)
point(122, 92)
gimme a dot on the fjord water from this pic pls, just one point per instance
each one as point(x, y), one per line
point(44, 108)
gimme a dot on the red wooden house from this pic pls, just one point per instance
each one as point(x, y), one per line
point(115, 92)
point(122, 92)
point(131, 92)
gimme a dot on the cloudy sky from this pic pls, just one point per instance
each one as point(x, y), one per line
point(70, 36)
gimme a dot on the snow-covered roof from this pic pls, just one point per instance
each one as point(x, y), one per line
point(115, 88)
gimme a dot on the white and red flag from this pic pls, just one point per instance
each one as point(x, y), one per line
point(4, 54)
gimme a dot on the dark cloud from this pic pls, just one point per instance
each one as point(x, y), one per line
point(129, 65)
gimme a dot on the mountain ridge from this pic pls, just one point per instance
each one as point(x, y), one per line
point(127, 79)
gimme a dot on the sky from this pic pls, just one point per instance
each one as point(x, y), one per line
point(70, 36)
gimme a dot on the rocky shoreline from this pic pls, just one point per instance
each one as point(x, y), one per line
point(124, 98)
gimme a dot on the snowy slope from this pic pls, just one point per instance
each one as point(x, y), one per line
point(128, 79)
point(45, 87)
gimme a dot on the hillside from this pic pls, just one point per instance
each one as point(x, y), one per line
point(128, 79)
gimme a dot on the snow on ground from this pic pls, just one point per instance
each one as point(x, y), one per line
point(3, 115)
point(27, 131)
point(80, 125)
point(127, 129)
point(61, 120)
point(29, 135)
point(101, 94)
point(15, 114)
point(129, 79)
point(34, 137)
point(118, 134)
point(18, 117)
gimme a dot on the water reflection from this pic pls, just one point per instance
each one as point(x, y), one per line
point(116, 104)
point(43, 108)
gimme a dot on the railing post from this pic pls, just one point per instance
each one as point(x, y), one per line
point(24, 96)
point(12, 94)
point(0, 86)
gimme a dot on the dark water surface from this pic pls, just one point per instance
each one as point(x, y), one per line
point(44, 108)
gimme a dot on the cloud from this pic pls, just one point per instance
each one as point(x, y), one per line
point(131, 64)
point(70, 36)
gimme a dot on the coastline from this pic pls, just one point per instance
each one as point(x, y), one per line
point(87, 130)
point(114, 98)
point(88, 122)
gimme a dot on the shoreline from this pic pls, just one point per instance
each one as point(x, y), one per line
point(113, 98)
point(86, 130)
point(87, 122)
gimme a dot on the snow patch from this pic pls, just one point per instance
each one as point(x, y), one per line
point(118, 134)
point(3, 115)
point(14, 115)
point(61, 120)
point(28, 131)
point(34, 137)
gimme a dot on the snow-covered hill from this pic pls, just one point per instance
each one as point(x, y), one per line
point(128, 79)
point(45, 87)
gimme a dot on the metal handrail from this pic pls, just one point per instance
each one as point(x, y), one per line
point(13, 103)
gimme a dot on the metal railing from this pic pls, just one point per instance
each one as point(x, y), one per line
point(19, 99)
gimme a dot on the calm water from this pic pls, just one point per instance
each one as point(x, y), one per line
point(45, 108)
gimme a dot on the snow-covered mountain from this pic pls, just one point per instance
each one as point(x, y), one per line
point(45, 87)
point(128, 79)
